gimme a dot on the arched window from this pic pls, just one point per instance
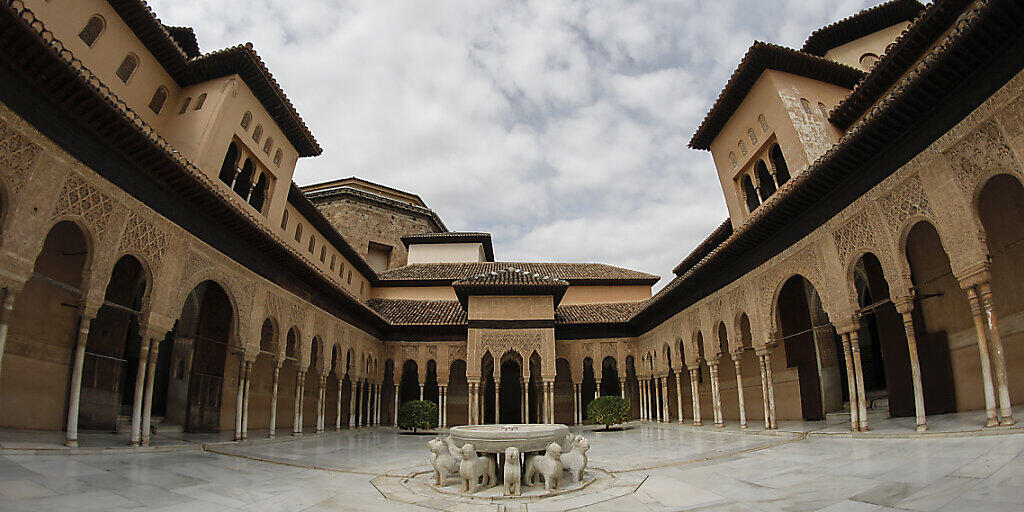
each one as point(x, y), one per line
point(779, 163)
point(277, 157)
point(184, 105)
point(333, 261)
point(753, 136)
point(323, 253)
point(298, 232)
point(743, 148)
point(159, 98)
point(750, 193)
point(243, 183)
point(765, 183)
point(267, 145)
point(763, 121)
point(284, 220)
point(312, 243)
point(246, 120)
point(806, 105)
point(823, 109)
point(259, 192)
point(732, 159)
point(127, 67)
point(200, 101)
point(257, 133)
point(92, 30)
point(228, 168)
point(868, 60)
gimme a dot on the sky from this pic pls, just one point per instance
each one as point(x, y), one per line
point(558, 126)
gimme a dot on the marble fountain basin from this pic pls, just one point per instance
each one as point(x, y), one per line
point(496, 438)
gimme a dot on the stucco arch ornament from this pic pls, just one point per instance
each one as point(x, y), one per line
point(198, 270)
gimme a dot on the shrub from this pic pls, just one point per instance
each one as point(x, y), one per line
point(608, 411)
point(417, 414)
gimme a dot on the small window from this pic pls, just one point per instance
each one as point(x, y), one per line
point(763, 122)
point(349, 278)
point(361, 283)
point(333, 261)
point(323, 253)
point(127, 67)
point(200, 101)
point(92, 30)
point(743, 148)
point(823, 109)
point(868, 60)
point(246, 120)
point(277, 157)
point(806, 105)
point(341, 269)
point(184, 105)
point(732, 159)
point(159, 98)
point(752, 136)
point(284, 220)
point(298, 232)
point(312, 243)
point(268, 145)
point(257, 133)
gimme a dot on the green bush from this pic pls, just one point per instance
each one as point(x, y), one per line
point(608, 411)
point(417, 414)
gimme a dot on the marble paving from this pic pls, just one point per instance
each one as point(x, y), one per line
point(674, 468)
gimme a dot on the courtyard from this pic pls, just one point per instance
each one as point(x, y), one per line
point(652, 466)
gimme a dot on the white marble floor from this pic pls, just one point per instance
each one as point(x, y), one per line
point(680, 469)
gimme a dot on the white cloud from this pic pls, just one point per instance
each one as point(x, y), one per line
point(559, 126)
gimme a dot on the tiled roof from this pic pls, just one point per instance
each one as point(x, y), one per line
point(510, 281)
point(861, 24)
point(185, 37)
point(575, 273)
point(759, 57)
point(419, 312)
point(450, 312)
point(453, 237)
point(719, 235)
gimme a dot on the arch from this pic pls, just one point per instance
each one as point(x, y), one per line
point(588, 387)
point(292, 344)
point(409, 387)
point(732, 159)
point(565, 391)
point(229, 167)
point(200, 101)
point(243, 182)
point(823, 109)
point(268, 338)
point(259, 192)
point(184, 105)
point(156, 104)
point(779, 164)
point(246, 120)
point(34, 394)
point(765, 182)
point(312, 243)
point(92, 30)
point(763, 122)
point(750, 193)
point(743, 328)
point(632, 387)
point(127, 68)
point(284, 219)
point(457, 398)
point(315, 356)
point(277, 157)
point(809, 343)
point(257, 133)
point(610, 377)
point(511, 390)
point(268, 145)
point(806, 105)
point(208, 320)
point(999, 204)
point(722, 335)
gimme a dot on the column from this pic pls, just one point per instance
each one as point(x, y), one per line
point(851, 383)
point(421, 391)
point(337, 416)
point(5, 317)
point(597, 390)
point(394, 419)
point(716, 393)
point(147, 398)
point(622, 388)
point(140, 383)
point(695, 391)
point(245, 400)
point(575, 403)
point(771, 389)
point(353, 390)
point(862, 414)
point(302, 397)
point(321, 399)
point(764, 387)
point(442, 396)
point(361, 396)
point(679, 395)
point(497, 408)
point(666, 417)
point(379, 403)
point(998, 359)
point(904, 306)
point(76, 373)
point(469, 403)
point(986, 368)
point(643, 399)
point(737, 358)
point(273, 400)
point(526, 399)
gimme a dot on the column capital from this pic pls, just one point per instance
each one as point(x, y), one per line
point(974, 275)
point(904, 304)
point(849, 325)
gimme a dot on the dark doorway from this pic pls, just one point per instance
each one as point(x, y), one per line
point(798, 335)
point(510, 392)
point(206, 380)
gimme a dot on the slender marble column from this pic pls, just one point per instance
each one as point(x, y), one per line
point(764, 389)
point(337, 415)
point(904, 307)
point(296, 427)
point(679, 395)
point(353, 390)
point(394, 419)
point(421, 391)
point(469, 403)
point(441, 412)
point(302, 397)
point(575, 404)
point(525, 399)
point(643, 399)
point(597, 390)
point(771, 389)
point(497, 408)
point(76, 376)
point(380, 402)
point(851, 384)
point(140, 384)
point(273, 400)
point(147, 398)
point(695, 391)
point(666, 417)
point(622, 388)
point(321, 398)
point(998, 359)
point(6, 307)
point(245, 400)
point(364, 389)
point(737, 360)
point(858, 368)
point(986, 367)
point(716, 393)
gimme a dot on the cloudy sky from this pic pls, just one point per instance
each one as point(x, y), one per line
point(558, 126)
